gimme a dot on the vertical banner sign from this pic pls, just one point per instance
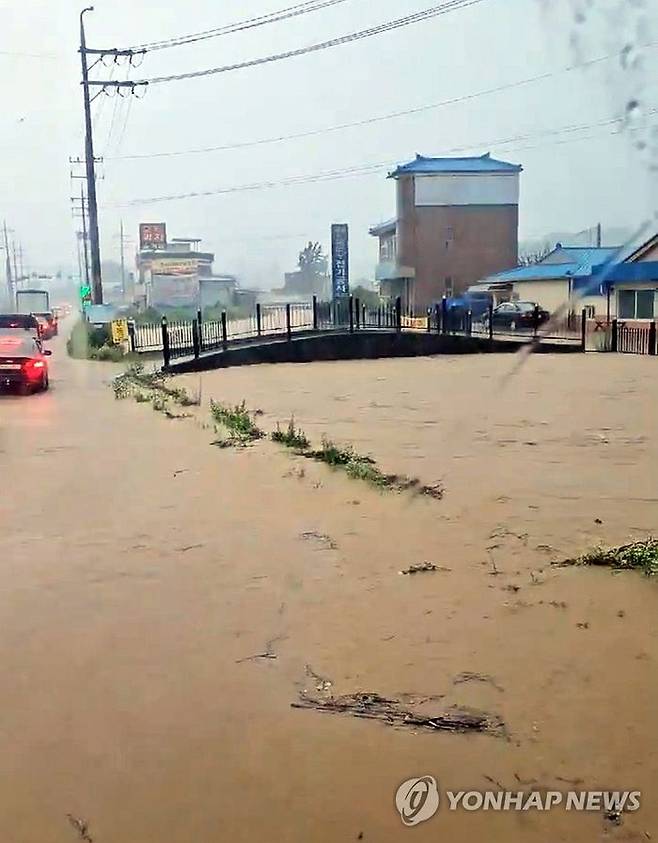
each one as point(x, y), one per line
point(340, 260)
point(152, 235)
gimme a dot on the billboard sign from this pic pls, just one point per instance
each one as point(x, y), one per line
point(152, 235)
point(340, 260)
point(164, 266)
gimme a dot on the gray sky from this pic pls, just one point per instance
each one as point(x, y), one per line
point(571, 180)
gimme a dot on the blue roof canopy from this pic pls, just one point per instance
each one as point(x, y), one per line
point(480, 164)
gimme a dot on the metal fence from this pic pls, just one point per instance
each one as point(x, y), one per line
point(635, 339)
point(196, 337)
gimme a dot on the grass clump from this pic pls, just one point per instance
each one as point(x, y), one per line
point(159, 403)
point(292, 437)
point(238, 421)
point(360, 467)
point(638, 556)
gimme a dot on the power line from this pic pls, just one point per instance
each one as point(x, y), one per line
point(388, 26)
point(368, 169)
point(378, 118)
point(240, 26)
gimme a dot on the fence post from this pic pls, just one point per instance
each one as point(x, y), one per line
point(469, 322)
point(224, 331)
point(583, 329)
point(652, 339)
point(429, 319)
point(166, 351)
point(131, 335)
point(199, 319)
point(259, 319)
point(535, 320)
point(491, 325)
point(315, 313)
point(437, 317)
point(398, 314)
point(195, 338)
point(444, 315)
point(288, 323)
point(351, 307)
point(357, 312)
point(614, 341)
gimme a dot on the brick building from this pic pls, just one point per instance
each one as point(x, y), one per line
point(457, 221)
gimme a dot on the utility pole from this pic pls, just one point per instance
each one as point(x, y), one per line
point(20, 261)
point(16, 276)
point(599, 235)
point(123, 267)
point(96, 279)
point(103, 86)
point(10, 282)
point(85, 239)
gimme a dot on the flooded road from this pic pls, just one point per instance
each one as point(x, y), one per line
point(141, 569)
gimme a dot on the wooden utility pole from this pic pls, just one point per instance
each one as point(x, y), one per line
point(102, 86)
point(10, 282)
point(94, 237)
point(123, 267)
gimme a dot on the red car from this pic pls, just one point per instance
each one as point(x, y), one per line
point(48, 325)
point(23, 362)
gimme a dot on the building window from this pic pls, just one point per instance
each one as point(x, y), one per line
point(636, 304)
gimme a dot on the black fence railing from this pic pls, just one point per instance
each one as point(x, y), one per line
point(192, 338)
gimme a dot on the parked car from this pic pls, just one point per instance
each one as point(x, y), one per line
point(517, 316)
point(23, 362)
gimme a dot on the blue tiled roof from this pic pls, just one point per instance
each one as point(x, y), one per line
point(541, 272)
point(481, 164)
point(590, 255)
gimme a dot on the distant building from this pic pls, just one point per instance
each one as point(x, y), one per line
point(553, 281)
point(457, 221)
point(619, 281)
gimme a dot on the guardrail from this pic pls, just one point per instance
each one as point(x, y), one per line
point(193, 338)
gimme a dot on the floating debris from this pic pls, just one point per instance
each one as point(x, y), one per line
point(321, 682)
point(82, 828)
point(467, 676)
point(373, 706)
point(423, 568)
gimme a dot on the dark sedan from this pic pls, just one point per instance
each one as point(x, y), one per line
point(518, 316)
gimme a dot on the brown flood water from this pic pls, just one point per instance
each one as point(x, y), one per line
point(140, 566)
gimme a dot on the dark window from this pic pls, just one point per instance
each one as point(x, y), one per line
point(644, 304)
point(636, 304)
point(627, 304)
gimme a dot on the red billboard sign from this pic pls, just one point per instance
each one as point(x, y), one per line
point(153, 235)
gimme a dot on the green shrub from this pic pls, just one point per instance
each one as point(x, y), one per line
point(640, 556)
point(292, 437)
point(107, 354)
point(237, 420)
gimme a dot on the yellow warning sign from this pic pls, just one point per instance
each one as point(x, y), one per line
point(119, 331)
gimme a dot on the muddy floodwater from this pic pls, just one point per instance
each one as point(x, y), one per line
point(164, 601)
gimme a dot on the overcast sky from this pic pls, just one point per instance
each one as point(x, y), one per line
point(571, 180)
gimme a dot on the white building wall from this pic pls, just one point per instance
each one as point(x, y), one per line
point(552, 295)
point(460, 189)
